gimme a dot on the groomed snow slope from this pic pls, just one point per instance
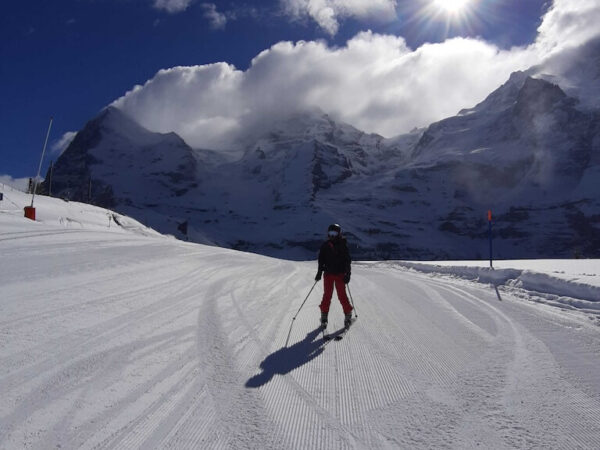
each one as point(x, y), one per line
point(119, 340)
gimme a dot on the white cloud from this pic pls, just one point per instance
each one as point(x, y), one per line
point(172, 6)
point(59, 146)
point(375, 82)
point(216, 19)
point(208, 95)
point(569, 23)
point(20, 184)
point(328, 13)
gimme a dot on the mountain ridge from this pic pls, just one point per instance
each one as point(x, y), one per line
point(527, 151)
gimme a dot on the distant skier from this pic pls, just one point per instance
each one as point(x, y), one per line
point(334, 260)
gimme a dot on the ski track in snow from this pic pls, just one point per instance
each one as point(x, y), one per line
point(127, 342)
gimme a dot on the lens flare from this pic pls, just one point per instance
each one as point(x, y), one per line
point(451, 6)
point(440, 19)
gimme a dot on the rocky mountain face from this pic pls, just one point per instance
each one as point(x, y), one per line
point(113, 161)
point(529, 152)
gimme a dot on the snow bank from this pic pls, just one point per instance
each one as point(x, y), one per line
point(63, 214)
point(481, 274)
point(560, 289)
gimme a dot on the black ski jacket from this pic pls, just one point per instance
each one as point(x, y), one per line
point(334, 257)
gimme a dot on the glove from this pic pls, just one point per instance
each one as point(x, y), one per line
point(347, 278)
point(318, 277)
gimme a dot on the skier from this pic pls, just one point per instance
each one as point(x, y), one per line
point(334, 260)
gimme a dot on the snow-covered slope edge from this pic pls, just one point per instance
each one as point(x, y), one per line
point(59, 214)
point(566, 286)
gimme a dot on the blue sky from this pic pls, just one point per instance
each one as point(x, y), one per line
point(70, 58)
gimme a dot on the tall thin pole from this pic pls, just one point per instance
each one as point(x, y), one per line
point(41, 160)
point(50, 180)
point(490, 233)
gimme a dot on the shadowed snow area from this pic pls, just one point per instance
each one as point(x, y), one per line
point(122, 338)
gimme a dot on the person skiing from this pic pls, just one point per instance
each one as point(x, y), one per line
point(334, 262)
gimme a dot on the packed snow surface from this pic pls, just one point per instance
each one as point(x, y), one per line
point(121, 338)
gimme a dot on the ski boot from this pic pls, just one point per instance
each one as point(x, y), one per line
point(324, 320)
point(348, 320)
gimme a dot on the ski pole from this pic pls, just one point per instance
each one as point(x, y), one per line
point(352, 301)
point(298, 312)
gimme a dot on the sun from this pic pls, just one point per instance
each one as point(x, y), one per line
point(446, 18)
point(451, 6)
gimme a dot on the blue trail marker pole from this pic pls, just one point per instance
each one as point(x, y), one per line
point(490, 233)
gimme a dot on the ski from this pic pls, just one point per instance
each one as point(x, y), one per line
point(332, 336)
point(343, 332)
point(339, 334)
point(329, 337)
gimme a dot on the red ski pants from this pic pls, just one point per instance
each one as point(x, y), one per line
point(330, 279)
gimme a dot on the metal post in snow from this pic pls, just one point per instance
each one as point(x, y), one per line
point(50, 180)
point(41, 160)
point(490, 234)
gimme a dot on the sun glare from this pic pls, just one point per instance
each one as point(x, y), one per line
point(444, 18)
point(451, 6)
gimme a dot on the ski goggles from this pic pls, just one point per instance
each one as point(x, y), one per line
point(333, 233)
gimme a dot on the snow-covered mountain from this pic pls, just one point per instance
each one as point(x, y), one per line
point(529, 151)
point(577, 71)
point(113, 161)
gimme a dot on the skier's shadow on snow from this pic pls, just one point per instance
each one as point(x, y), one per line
point(286, 359)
